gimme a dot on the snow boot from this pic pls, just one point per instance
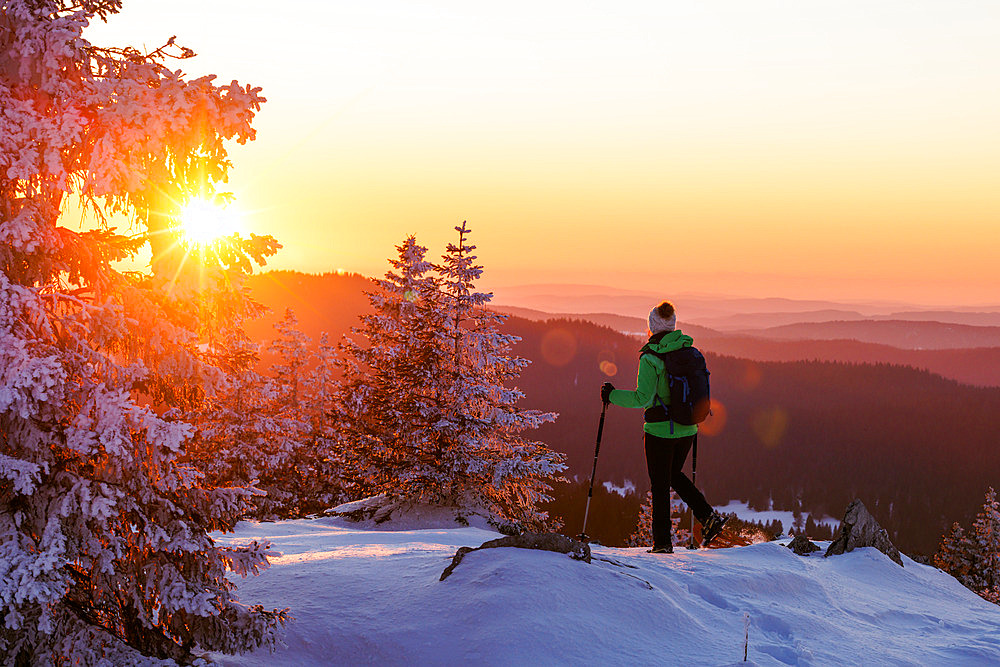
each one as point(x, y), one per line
point(712, 527)
point(661, 549)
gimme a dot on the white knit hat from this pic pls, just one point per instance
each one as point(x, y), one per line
point(658, 324)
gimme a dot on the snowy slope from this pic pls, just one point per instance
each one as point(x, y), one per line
point(374, 596)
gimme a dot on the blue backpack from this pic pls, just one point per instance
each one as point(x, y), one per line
point(686, 376)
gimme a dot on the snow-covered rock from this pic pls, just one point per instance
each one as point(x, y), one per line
point(383, 513)
point(374, 596)
point(860, 529)
point(543, 541)
point(801, 545)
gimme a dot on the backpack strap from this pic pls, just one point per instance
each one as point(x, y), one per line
point(646, 349)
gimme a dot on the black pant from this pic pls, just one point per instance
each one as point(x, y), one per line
point(664, 459)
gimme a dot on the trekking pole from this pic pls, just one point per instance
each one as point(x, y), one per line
point(694, 481)
point(583, 537)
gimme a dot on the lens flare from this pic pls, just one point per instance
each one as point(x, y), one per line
point(769, 426)
point(716, 421)
point(606, 362)
point(750, 376)
point(558, 347)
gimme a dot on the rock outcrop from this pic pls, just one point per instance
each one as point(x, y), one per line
point(801, 545)
point(544, 541)
point(860, 529)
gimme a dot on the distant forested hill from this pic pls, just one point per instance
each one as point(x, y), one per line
point(904, 334)
point(976, 366)
point(329, 302)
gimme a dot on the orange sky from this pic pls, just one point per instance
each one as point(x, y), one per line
point(830, 150)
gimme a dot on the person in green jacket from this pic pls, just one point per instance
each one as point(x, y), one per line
point(667, 443)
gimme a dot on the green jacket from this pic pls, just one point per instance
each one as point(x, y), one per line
point(652, 381)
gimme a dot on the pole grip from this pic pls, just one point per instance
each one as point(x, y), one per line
point(600, 432)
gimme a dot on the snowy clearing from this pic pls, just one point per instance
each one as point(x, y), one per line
point(627, 488)
point(374, 596)
point(786, 517)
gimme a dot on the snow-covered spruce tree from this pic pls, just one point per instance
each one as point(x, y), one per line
point(955, 555)
point(487, 457)
point(291, 349)
point(974, 558)
point(245, 435)
point(429, 405)
point(985, 574)
point(643, 534)
point(105, 555)
point(323, 460)
point(302, 384)
point(391, 380)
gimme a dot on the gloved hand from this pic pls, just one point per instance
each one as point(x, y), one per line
point(606, 390)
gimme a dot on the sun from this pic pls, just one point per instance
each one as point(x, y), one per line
point(204, 222)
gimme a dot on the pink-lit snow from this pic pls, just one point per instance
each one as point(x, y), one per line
point(373, 596)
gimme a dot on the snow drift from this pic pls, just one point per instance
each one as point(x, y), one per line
point(374, 596)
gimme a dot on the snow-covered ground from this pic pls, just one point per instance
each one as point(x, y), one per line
point(361, 596)
point(624, 490)
point(786, 517)
point(739, 508)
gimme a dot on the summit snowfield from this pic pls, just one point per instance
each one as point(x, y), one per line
point(373, 596)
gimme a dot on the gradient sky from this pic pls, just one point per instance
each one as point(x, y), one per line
point(806, 149)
